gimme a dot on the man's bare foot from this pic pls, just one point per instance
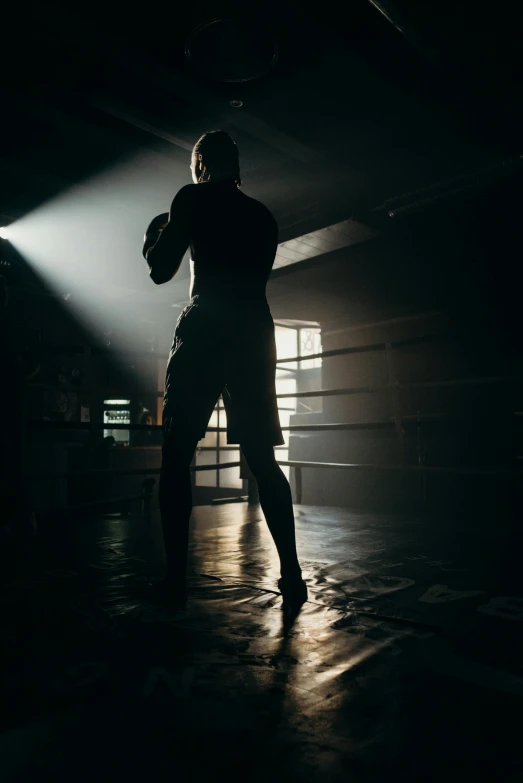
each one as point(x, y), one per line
point(294, 593)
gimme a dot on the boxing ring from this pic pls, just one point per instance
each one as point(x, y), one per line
point(400, 424)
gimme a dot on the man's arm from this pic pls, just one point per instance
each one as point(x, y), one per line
point(164, 256)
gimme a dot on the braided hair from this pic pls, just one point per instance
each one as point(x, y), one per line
point(219, 154)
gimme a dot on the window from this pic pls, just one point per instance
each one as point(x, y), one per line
point(206, 478)
point(286, 407)
point(310, 343)
point(286, 345)
point(214, 449)
point(207, 454)
point(230, 477)
point(291, 377)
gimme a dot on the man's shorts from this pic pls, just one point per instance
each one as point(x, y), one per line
point(228, 351)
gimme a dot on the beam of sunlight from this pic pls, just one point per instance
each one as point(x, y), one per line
point(85, 244)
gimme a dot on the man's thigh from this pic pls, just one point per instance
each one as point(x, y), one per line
point(252, 409)
point(193, 385)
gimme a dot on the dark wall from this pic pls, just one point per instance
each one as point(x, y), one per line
point(433, 261)
point(442, 278)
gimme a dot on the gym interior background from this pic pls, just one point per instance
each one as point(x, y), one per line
point(388, 147)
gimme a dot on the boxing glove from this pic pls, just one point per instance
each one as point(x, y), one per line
point(154, 230)
point(157, 224)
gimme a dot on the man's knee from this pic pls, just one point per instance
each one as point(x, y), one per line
point(261, 460)
point(178, 450)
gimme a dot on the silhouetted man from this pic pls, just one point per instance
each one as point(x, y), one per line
point(223, 344)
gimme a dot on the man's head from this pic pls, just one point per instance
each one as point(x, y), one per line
point(215, 158)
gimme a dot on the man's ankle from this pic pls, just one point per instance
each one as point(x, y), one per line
point(293, 572)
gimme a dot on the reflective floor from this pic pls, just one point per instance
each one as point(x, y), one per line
point(406, 661)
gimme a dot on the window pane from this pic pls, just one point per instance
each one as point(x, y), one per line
point(283, 454)
point(284, 422)
point(211, 438)
point(310, 343)
point(286, 386)
point(286, 345)
point(223, 435)
point(205, 478)
point(205, 457)
point(229, 455)
point(208, 440)
point(285, 418)
point(230, 477)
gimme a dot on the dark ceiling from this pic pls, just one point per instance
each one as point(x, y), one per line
point(345, 105)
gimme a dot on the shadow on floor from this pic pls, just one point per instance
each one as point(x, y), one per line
point(406, 659)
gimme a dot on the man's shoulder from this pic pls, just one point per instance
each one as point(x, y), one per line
point(183, 200)
point(186, 193)
point(263, 211)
